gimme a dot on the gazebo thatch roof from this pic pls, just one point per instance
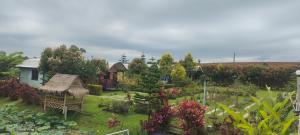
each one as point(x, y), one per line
point(60, 83)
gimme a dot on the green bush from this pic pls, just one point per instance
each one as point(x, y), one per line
point(95, 89)
point(141, 104)
point(276, 76)
point(169, 85)
point(121, 107)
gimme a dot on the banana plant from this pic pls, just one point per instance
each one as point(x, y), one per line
point(271, 117)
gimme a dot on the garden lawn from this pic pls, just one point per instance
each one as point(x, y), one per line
point(92, 119)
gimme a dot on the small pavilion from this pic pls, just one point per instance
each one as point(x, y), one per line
point(115, 73)
point(64, 92)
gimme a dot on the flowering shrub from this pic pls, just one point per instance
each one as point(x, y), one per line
point(113, 122)
point(191, 115)
point(158, 120)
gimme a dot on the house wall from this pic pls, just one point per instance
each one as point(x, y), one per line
point(25, 77)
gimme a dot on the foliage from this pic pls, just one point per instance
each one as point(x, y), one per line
point(29, 95)
point(44, 61)
point(101, 65)
point(227, 127)
point(178, 73)
point(140, 105)
point(188, 64)
point(272, 116)
point(191, 115)
point(14, 90)
point(260, 75)
point(95, 89)
point(137, 66)
point(146, 103)
point(220, 74)
point(116, 106)
point(27, 122)
point(172, 92)
point(158, 121)
point(8, 64)
point(150, 79)
point(165, 65)
point(113, 122)
point(68, 61)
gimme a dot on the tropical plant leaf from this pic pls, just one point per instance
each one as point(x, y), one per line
point(286, 124)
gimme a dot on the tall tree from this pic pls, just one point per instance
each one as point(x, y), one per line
point(101, 65)
point(143, 57)
point(137, 66)
point(68, 61)
point(44, 64)
point(189, 64)
point(8, 64)
point(124, 59)
point(150, 79)
point(178, 73)
point(165, 65)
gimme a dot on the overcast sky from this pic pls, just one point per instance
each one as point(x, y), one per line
point(212, 30)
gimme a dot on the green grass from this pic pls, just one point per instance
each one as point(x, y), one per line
point(92, 118)
point(95, 119)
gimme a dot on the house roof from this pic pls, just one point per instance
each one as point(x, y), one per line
point(60, 83)
point(30, 63)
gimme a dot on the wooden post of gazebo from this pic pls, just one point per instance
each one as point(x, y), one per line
point(65, 108)
point(45, 102)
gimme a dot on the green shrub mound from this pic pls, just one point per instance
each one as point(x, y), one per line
point(95, 89)
point(120, 107)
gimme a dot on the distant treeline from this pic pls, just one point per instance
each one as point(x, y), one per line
point(274, 75)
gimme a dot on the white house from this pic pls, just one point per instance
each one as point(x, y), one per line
point(29, 73)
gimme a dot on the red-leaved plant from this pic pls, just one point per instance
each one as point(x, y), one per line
point(158, 121)
point(113, 122)
point(191, 116)
point(15, 90)
point(29, 95)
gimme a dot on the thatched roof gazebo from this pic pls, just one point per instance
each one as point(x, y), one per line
point(65, 92)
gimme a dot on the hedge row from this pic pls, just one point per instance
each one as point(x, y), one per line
point(260, 75)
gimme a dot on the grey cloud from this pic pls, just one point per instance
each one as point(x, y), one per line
point(212, 30)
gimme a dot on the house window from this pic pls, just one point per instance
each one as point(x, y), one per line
point(34, 74)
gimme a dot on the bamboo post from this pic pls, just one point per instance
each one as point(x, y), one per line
point(45, 102)
point(81, 104)
point(65, 109)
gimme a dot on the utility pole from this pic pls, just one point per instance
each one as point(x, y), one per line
point(204, 93)
point(204, 84)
